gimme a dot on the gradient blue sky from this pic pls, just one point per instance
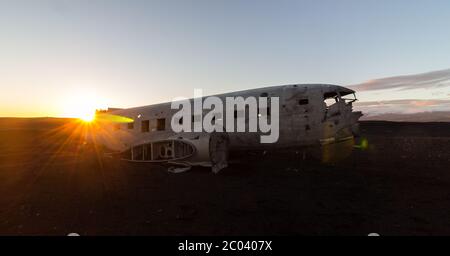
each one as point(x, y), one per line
point(129, 53)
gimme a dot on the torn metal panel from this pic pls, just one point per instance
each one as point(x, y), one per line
point(194, 149)
point(211, 150)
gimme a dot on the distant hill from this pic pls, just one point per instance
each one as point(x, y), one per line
point(435, 116)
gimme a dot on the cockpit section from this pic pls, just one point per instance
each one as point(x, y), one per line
point(338, 102)
point(339, 120)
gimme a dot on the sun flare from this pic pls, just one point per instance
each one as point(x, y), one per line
point(82, 104)
point(88, 117)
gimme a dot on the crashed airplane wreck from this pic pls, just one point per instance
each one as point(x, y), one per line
point(307, 116)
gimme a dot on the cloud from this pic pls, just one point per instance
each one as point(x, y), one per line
point(412, 102)
point(402, 106)
point(431, 79)
point(434, 116)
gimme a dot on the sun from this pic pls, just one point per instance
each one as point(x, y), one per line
point(82, 104)
point(87, 117)
point(83, 111)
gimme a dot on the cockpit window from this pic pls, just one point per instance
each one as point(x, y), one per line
point(349, 98)
point(330, 98)
point(329, 95)
point(330, 101)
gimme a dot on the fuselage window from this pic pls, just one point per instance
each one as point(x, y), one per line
point(145, 126)
point(131, 126)
point(303, 102)
point(160, 124)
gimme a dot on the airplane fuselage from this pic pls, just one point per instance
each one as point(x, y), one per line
point(309, 115)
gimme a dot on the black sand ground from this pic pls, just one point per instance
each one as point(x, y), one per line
point(399, 185)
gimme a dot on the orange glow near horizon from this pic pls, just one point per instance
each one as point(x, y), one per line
point(87, 117)
point(82, 104)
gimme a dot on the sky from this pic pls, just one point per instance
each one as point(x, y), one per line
point(57, 57)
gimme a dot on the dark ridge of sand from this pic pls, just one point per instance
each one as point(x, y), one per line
point(51, 184)
point(406, 129)
point(37, 123)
